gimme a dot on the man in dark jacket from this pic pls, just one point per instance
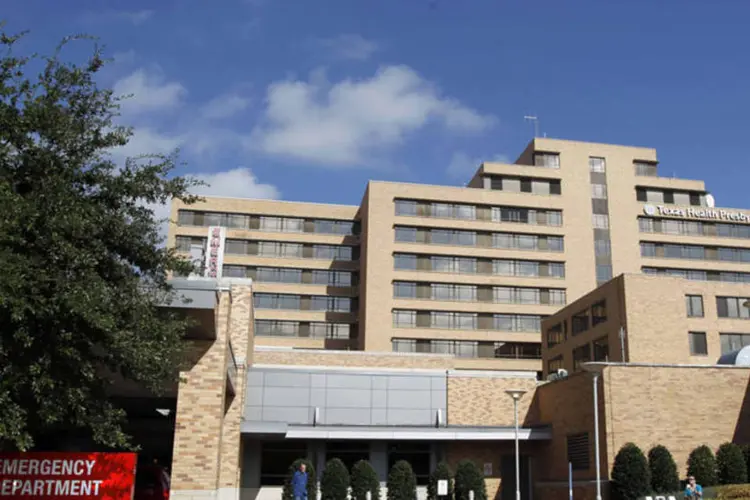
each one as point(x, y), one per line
point(299, 483)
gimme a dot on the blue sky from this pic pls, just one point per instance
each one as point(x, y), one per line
point(308, 99)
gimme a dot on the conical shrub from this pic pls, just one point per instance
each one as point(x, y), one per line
point(630, 474)
point(663, 469)
point(702, 465)
point(364, 479)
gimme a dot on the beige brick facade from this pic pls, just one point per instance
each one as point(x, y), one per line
point(482, 400)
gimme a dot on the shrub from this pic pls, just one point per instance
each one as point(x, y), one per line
point(364, 479)
point(702, 465)
point(733, 492)
point(442, 471)
point(312, 483)
point(630, 474)
point(663, 469)
point(746, 452)
point(334, 483)
point(469, 478)
point(731, 464)
point(402, 484)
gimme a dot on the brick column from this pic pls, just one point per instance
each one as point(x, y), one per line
point(200, 416)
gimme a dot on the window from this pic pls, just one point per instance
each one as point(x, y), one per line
point(578, 451)
point(557, 297)
point(555, 364)
point(406, 234)
point(547, 160)
point(601, 349)
point(698, 344)
point(404, 319)
point(557, 334)
point(453, 320)
point(731, 342)
point(330, 330)
point(645, 168)
point(403, 290)
point(406, 207)
point(281, 224)
point(277, 301)
point(602, 248)
point(603, 273)
point(733, 307)
point(518, 350)
point(600, 221)
point(404, 345)
point(598, 313)
point(325, 226)
point(404, 261)
point(273, 328)
point(417, 453)
point(599, 191)
point(694, 305)
point(331, 304)
point(597, 164)
point(185, 243)
point(332, 252)
point(581, 354)
point(517, 323)
point(580, 322)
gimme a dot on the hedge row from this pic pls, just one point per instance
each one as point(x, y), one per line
point(336, 482)
point(635, 476)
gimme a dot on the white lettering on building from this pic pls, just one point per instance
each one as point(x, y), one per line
point(697, 213)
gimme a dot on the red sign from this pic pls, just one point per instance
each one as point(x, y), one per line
point(107, 476)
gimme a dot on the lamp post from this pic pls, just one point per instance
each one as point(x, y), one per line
point(516, 395)
point(596, 370)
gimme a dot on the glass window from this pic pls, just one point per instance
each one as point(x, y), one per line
point(467, 238)
point(645, 225)
point(466, 293)
point(442, 210)
point(443, 264)
point(404, 290)
point(698, 344)
point(406, 207)
point(406, 234)
point(599, 191)
point(405, 261)
point(596, 164)
point(581, 354)
point(441, 320)
point(602, 248)
point(503, 294)
point(694, 305)
point(654, 196)
point(556, 269)
point(681, 198)
point(540, 187)
point(404, 319)
point(603, 272)
point(600, 221)
point(645, 169)
point(580, 322)
point(512, 185)
point(733, 307)
point(555, 243)
point(441, 291)
point(599, 313)
point(466, 265)
point(554, 218)
point(548, 160)
point(601, 349)
point(555, 364)
point(527, 268)
point(731, 342)
point(526, 242)
point(468, 212)
point(556, 334)
point(557, 297)
point(404, 345)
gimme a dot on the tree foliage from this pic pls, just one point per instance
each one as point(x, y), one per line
point(468, 478)
point(364, 479)
point(731, 465)
point(334, 483)
point(702, 465)
point(663, 469)
point(630, 474)
point(441, 472)
point(402, 483)
point(287, 492)
point(77, 243)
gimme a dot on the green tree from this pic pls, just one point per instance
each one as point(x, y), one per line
point(442, 471)
point(731, 464)
point(334, 483)
point(702, 465)
point(630, 474)
point(663, 469)
point(746, 453)
point(469, 478)
point(78, 242)
point(364, 479)
point(287, 492)
point(402, 484)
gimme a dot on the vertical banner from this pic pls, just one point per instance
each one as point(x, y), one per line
point(215, 251)
point(57, 476)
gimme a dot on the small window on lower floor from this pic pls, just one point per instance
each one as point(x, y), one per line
point(698, 344)
point(578, 451)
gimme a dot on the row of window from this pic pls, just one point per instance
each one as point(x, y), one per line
point(730, 342)
point(597, 350)
point(513, 241)
point(512, 184)
point(694, 252)
point(698, 275)
point(467, 321)
point(646, 169)
point(473, 265)
point(290, 250)
point(291, 275)
point(694, 228)
point(276, 328)
point(411, 208)
point(670, 197)
point(477, 293)
point(303, 302)
point(726, 307)
point(267, 223)
point(470, 348)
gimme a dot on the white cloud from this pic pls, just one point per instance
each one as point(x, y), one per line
point(146, 141)
point(345, 124)
point(463, 166)
point(225, 106)
point(138, 17)
point(150, 92)
point(351, 47)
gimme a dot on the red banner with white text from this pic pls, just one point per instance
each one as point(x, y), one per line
point(58, 476)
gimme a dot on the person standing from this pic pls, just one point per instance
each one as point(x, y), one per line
point(299, 483)
point(693, 489)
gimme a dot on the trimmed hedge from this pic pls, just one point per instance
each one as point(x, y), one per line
point(731, 464)
point(702, 465)
point(469, 477)
point(630, 474)
point(364, 479)
point(663, 469)
point(442, 471)
point(334, 483)
point(312, 482)
point(733, 492)
point(402, 484)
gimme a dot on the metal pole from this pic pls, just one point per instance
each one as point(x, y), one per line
point(518, 456)
point(596, 439)
point(570, 480)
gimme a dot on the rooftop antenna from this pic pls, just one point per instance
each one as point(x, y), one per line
point(536, 123)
